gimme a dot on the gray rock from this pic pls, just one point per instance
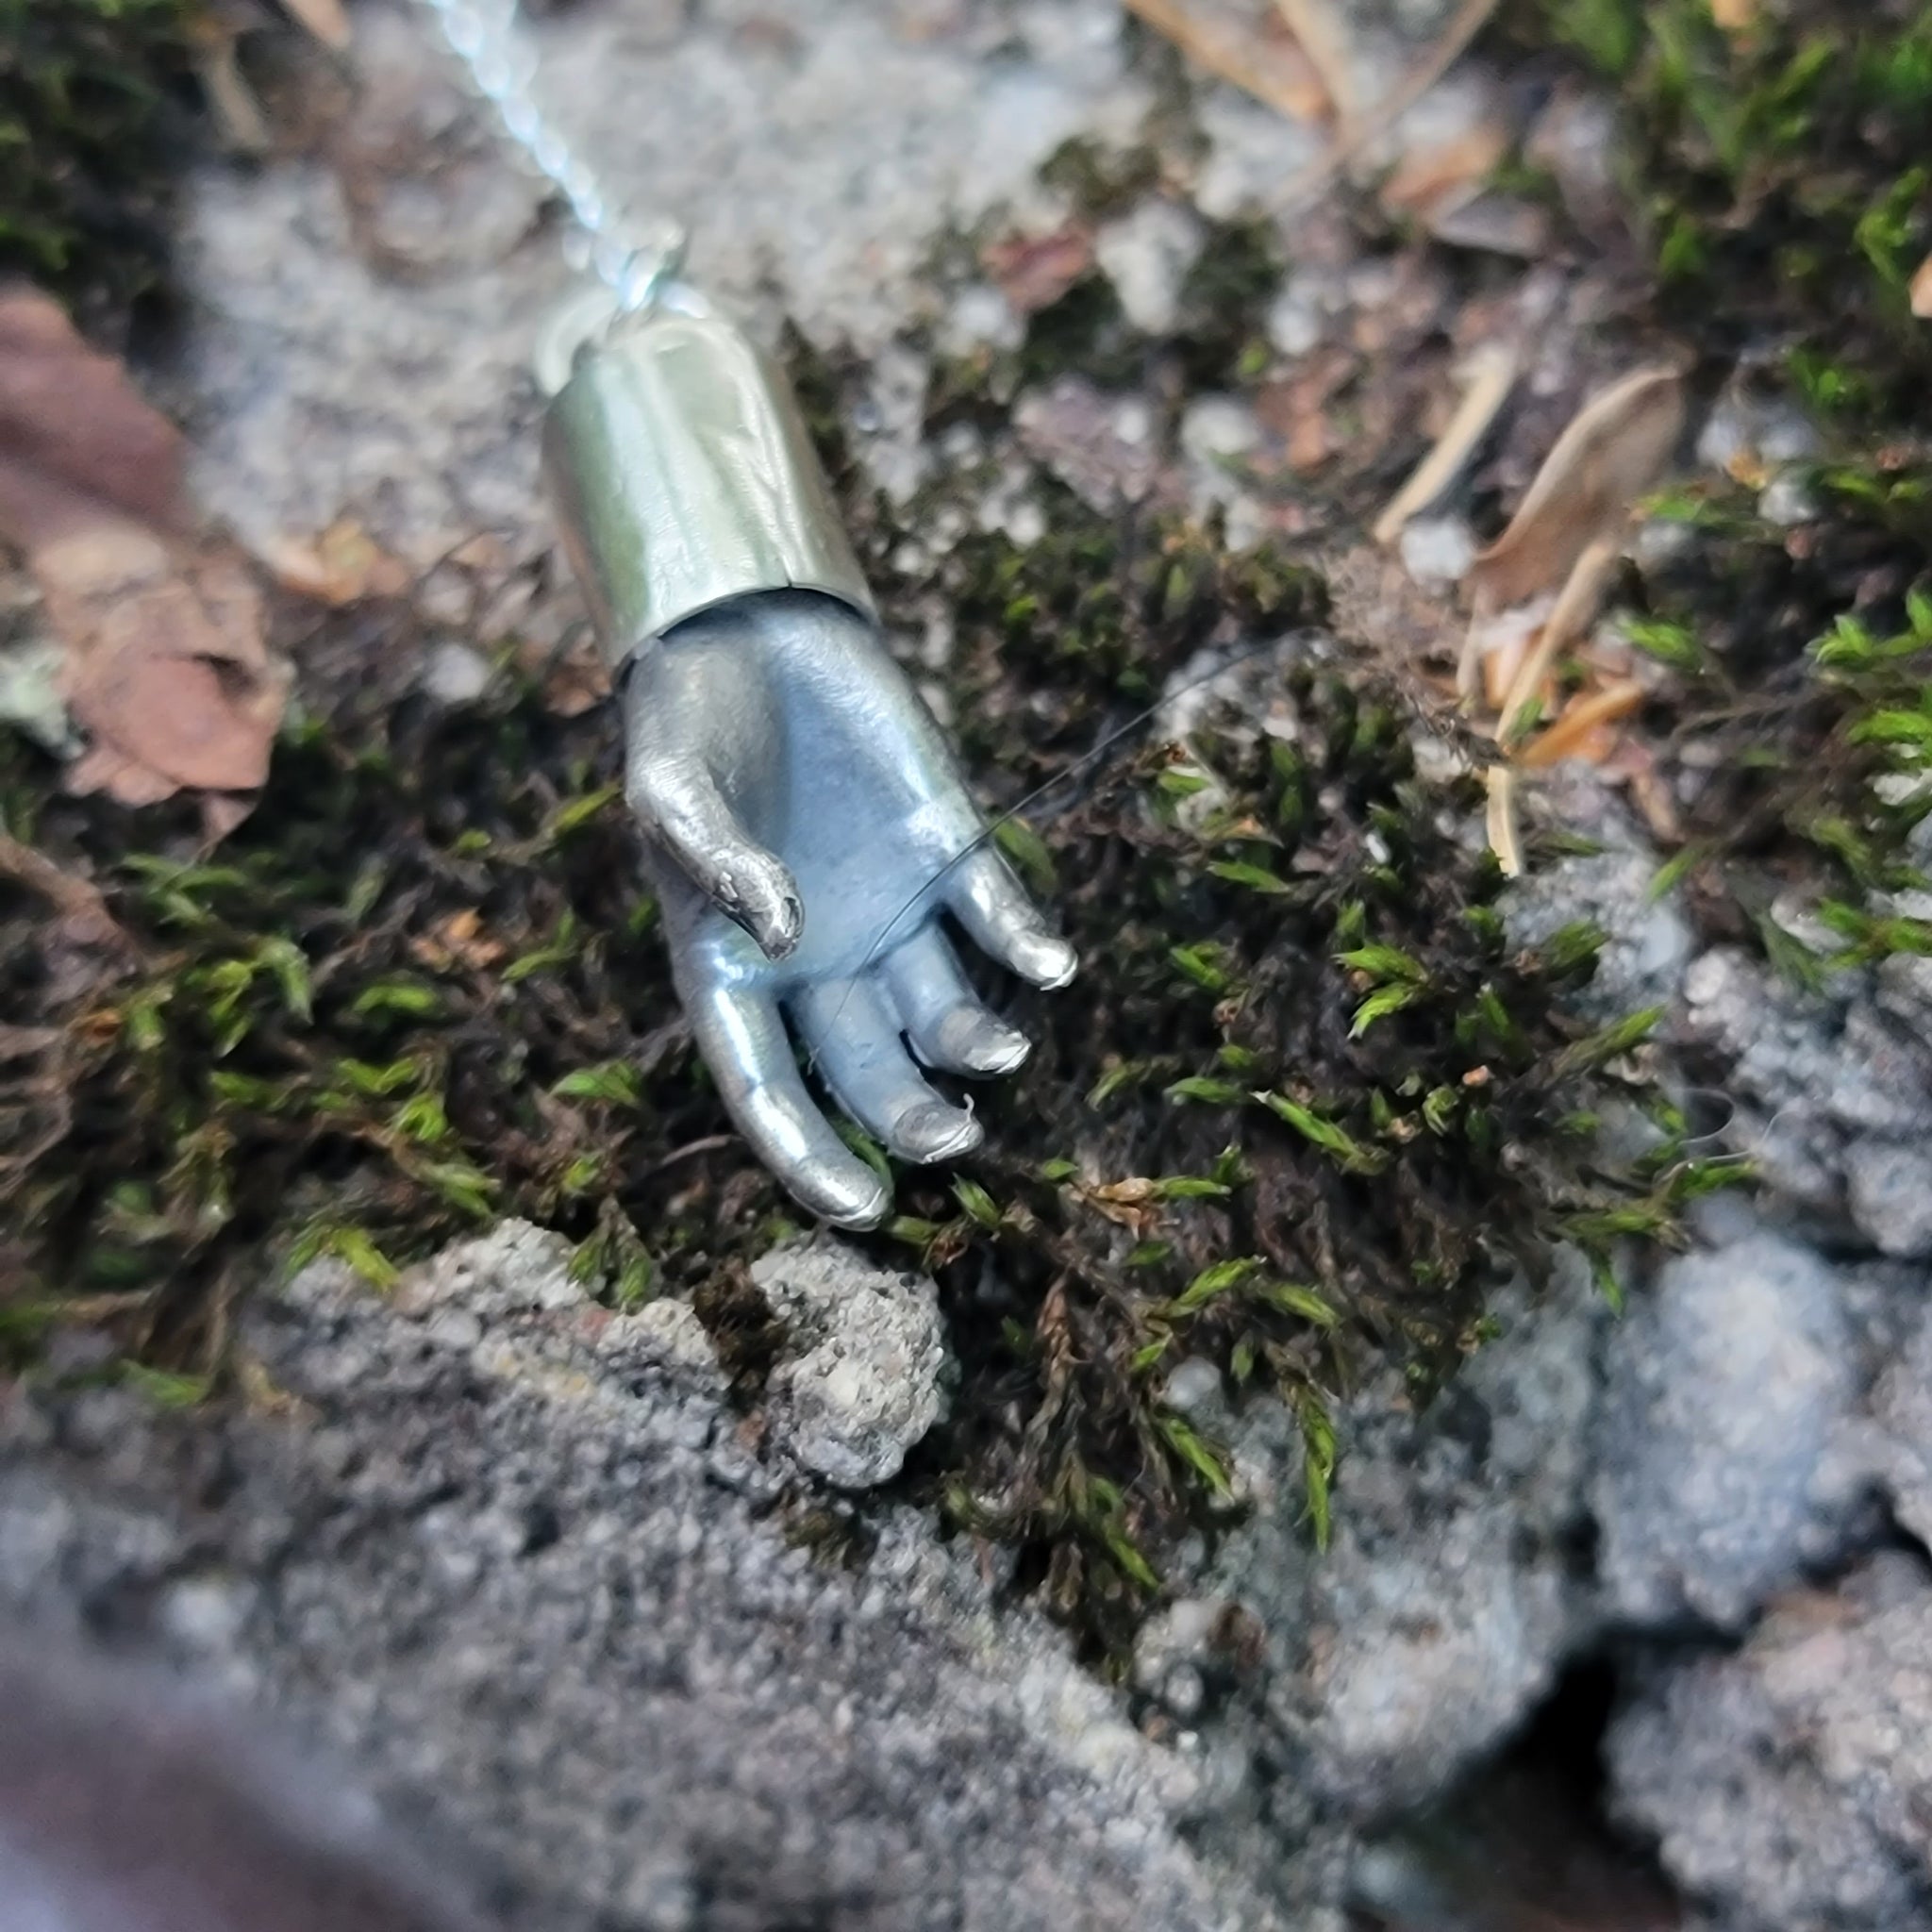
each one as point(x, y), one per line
point(814, 160)
point(128, 1807)
point(533, 1594)
point(453, 674)
point(1890, 1190)
point(1813, 1073)
point(1899, 1440)
point(1725, 1386)
point(1441, 1613)
point(1649, 946)
point(864, 1370)
point(1146, 256)
point(1787, 1785)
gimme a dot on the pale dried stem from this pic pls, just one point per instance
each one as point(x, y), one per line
point(1384, 113)
point(1490, 377)
point(1576, 609)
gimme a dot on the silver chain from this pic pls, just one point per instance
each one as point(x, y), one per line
point(634, 264)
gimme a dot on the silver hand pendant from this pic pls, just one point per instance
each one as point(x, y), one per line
point(805, 817)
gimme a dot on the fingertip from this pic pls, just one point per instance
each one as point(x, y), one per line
point(935, 1132)
point(845, 1201)
point(780, 925)
point(764, 899)
point(1049, 962)
point(972, 1041)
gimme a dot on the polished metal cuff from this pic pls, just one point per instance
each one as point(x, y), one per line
point(683, 476)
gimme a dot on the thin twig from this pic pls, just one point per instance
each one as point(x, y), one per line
point(1575, 611)
point(1578, 721)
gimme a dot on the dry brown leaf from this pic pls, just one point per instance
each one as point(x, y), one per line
point(1429, 182)
point(1501, 664)
point(575, 678)
point(344, 565)
point(1580, 730)
point(1273, 70)
point(1488, 377)
point(1129, 1204)
point(1922, 291)
point(1613, 451)
point(1323, 35)
point(1035, 271)
point(166, 669)
point(458, 940)
point(1306, 184)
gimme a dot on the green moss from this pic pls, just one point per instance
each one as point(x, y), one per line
point(1100, 181)
point(1224, 300)
point(1786, 162)
point(92, 129)
point(420, 989)
point(1302, 1106)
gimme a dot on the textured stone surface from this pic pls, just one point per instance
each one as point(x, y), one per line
point(1788, 1784)
point(815, 156)
point(1725, 1384)
point(532, 1587)
point(1642, 962)
point(1452, 1591)
point(862, 1374)
point(1889, 1188)
point(1814, 1074)
point(1900, 1444)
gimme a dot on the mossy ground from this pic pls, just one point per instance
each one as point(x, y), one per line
point(96, 112)
point(1303, 1106)
point(1778, 191)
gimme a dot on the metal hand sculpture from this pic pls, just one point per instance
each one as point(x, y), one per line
point(804, 810)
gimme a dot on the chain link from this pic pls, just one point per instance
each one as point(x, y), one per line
point(634, 264)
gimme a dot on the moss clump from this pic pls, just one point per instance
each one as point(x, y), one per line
point(1223, 306)
point(1305, 1101)
point(1779, 174)
point(93, 128)
point(419, 988)
point(1100, 181)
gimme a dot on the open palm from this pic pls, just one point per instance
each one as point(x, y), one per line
point(805, 815)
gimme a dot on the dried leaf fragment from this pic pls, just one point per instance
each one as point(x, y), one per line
point(1613, 451)
point(1274, 68)
point(1035, 271)
point(1323, 35)
point(1922, 291)
point(165, 667)
point(325, 19)
point(1579, 732)
point(1575, 611)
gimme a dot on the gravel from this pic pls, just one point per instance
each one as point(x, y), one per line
point(863, 1374)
